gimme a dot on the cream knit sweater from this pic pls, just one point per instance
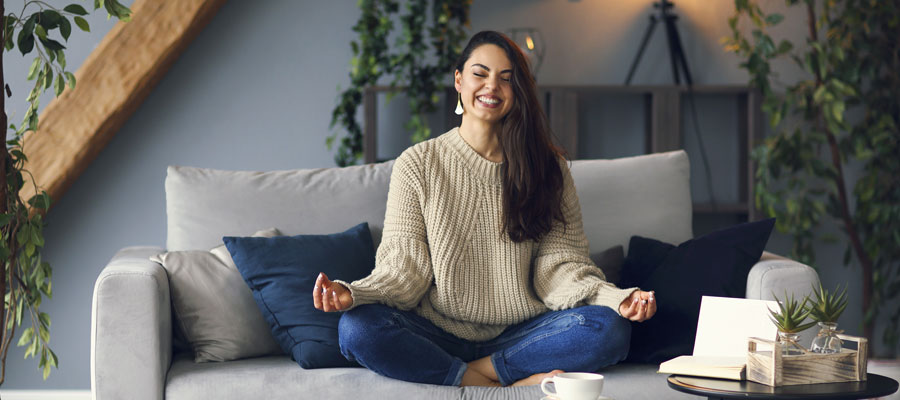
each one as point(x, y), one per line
point(443, 252)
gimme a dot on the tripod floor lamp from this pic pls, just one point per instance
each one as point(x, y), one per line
point(676, 52)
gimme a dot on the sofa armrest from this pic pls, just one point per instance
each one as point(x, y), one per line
point(777, 275)
point(131, 327)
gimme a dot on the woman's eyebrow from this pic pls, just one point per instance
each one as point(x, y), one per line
point(488, 69)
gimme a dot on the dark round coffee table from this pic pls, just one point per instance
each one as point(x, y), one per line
point(874, 386)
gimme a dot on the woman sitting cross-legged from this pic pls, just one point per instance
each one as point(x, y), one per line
point(483, 276)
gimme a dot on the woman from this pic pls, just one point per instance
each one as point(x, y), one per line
point(483, 276)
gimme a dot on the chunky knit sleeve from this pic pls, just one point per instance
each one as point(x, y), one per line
point(564, 275)
point(403, 272)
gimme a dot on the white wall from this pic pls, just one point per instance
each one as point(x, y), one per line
point(256, 90)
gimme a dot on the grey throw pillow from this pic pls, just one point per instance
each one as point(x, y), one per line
point(214, 308)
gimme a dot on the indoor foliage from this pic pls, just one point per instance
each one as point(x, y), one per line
point(26, 279)
point(843, 115)
point(407, 62)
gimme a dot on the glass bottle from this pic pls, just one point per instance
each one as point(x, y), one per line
point(827, 341)
point(789, 343)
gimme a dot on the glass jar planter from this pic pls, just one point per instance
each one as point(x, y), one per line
point(790, 345)
point(827, 341)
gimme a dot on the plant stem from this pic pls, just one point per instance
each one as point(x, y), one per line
point(849, 227)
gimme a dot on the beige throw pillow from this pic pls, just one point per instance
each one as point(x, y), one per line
point(214, 307)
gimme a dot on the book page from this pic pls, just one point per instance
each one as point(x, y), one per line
point(708, 366)
point(704, 361)
point(725, 324)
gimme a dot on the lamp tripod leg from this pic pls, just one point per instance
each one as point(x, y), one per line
point(637, 57)
point(676, 53)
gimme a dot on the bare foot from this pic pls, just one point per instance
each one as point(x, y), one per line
point(473, 378)
point(536, 378)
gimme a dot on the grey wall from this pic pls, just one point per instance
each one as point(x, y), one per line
point(256, 90)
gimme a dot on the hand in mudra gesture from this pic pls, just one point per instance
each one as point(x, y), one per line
point(330, 296)
point(639, 306)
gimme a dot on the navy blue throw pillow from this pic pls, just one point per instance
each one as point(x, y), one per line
point(715, 264)
point(281, 272)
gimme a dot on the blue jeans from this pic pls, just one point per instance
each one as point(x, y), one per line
point(403, 345)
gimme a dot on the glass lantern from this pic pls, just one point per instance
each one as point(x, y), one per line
point(531, 41)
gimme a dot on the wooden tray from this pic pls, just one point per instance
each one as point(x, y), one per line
point(774, 369)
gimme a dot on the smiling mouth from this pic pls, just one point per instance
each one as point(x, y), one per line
point(490, 102)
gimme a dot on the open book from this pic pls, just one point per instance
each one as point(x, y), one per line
point(720, 347)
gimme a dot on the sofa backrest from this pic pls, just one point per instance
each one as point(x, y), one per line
point(646, 195)
point(202, 205)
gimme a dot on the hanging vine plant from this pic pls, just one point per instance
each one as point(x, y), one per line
point(407, 63)
point(25, 277)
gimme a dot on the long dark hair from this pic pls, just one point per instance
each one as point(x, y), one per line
point(532, 178)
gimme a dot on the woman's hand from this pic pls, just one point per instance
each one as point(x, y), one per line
point(639, 306)
point(329, 296)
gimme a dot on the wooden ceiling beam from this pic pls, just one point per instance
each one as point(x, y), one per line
point(111, 84)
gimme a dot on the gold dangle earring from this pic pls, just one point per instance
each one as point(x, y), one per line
point(459, 109)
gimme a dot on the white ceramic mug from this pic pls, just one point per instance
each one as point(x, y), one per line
point(574, 386)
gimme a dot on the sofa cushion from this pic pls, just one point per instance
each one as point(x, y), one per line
point(648, 195)
point(715, 264)
point(214, 309)
point(202, 205)
point(281, 272)
point(280, 379)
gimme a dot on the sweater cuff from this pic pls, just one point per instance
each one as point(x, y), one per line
point(361, 294)
point(611, 297)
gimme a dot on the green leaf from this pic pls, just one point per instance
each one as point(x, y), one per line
point(82, 24)
point(61, 58)
point(71, 79)
point(48, 77)
point(32, 72)
point(49, 19)
point(37, 238)
point(65, 28)
point(20, 309)
point(4, 219)
point(40, 32)
point(27, 337)
point(44, 333)
point(51, 44)
point(774, 19)
point(75, 9)
point(45, 320)
point(26, 36)
point(60, 85)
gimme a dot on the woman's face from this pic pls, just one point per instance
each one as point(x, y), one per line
point(485, 84)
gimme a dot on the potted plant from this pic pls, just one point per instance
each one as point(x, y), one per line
point(826, 310)
point(25, 278)
point(789, 320)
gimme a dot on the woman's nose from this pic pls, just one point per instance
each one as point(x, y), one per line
point(491, 82)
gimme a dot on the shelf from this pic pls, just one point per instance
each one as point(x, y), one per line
point(661, 115)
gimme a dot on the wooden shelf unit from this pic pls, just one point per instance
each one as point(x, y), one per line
point(662, 114)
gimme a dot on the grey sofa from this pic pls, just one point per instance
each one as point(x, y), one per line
point(132, 353)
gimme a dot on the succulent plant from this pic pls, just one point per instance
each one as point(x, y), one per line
point(791, 314)
point(828, 306)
